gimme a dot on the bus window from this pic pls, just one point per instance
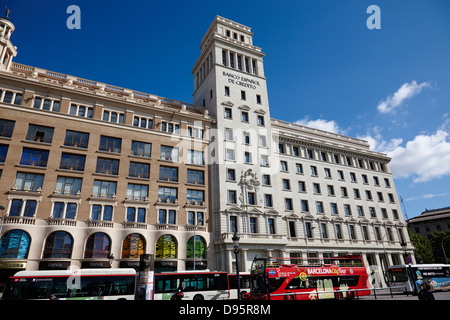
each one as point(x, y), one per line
point(275, 283)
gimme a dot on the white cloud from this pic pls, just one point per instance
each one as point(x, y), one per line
point(406, 91)
point(330, 126)
point(424, 158)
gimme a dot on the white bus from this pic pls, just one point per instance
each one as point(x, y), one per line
point(78, 284)
point(196, 285)
point(411, 277)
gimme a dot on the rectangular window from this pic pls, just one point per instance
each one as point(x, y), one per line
point(76, 139)
point(107, 166)
point(305, 206)
point(63, 210)
point(3, 152)
point(101, 212)
point(244, 116)
point(251, 198)
point(169, 153)
point(39, 133)
point(271, 225)
point(195, 196)
point(227, 113)
point(268, 200)
point(288, 204)
point(233, 224)
point(167, 216)
point(6, 128)
point(34, 157)
point(195, 157)
point(133, 217)
point(137, 192)
point(141, 149)
point(72, 162)
point(231, 174)
point(292, 229)
point(167, 194)
point(338, 232)
point(253, 225)
point(308, 230)
point(232, 196)
point(81, 111)
point(110, 144)
point(139, 170)
point(195, 177)
point(28, 181)
point(68, 185)
point(168, 174)
point(324, 231)
point(104, 189)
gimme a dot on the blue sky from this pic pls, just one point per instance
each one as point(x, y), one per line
point(324, 67)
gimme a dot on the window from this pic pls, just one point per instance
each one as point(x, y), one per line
point(137, 192)
point(72, 162)
point(229, 134)
point(139, 170)
point(253, 225)
point(348, 210)
point(232, 196)
point(316, 188)
point(356, 194)
point(262, 141)
point(6, 128)
point(98, 245)
point(308, 230)
point(299, 168)
point(110, 144)
point(101, 212)
point(228, 113)
point(195, 218)
point(167, 216)
point(305, 205)
point(365, 233)
point(113, 116)
point(373, 213)
point(352, 177)
point(15, 244)
point(292, 229)
point(141, 149)
point(166, 247)
point(68, 185)
point(338, 232)
point(246, 138)
point(344, 193)
point(107, 166)
point(62, 210)
point(46, 104)
point(310, 154)
point(330, 189)
point(244, 116)
point(195, 132)
point(12, 97)
point(231, 174)
point(284, 166)
point(360, 211)
point(319, 206)
point(268, 200)
point(251, 198)
point(136, 214)
point(243, 95)
point(341, 175)
point(271, 225)
point(76, 139)
point(281, 148)
point(324, 231)
point(3, 152)
point(334, 209)
point(104, 189)
point(247, 157)
point(167, 194)
point(264, 160)
point(301, 186)
point(23, 208)
point(195, 177)
point(58, 245)
point(81, 111)
point(170, 127)
point(295, 151)
point(227, 91)
point(266, 179)
point(258, 98)
point(143, 122)
point(286, 184)
point(352, 232)
point(195, 157)
point(29, 181)
point(233, 224)
point(195, 196)
point(229, 154)
point(327, 173)
point(288, 204)
point(169, 153)
point(34, 157)
point(314, 171)
point(168, 174)
point(39, 133)
point(260, 120)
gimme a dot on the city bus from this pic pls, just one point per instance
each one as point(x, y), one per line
point(77, 284)
point(308, 278)
point(195, 285)
point(409, 278)
point(244, 284)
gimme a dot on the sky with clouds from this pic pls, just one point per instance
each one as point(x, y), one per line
point(325, 68)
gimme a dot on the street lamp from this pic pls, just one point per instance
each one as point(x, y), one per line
point(236, 253)
point(404, 246)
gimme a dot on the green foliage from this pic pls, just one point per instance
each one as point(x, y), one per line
point(423, 250)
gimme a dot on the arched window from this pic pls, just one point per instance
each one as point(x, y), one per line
point(166, 247)
point(133, 246)
point(15, 244)
point(98, 245)
point(199, 245)
point(58, 245)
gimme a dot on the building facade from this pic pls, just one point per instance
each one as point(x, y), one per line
point(94, 175)
point(430, 221)
point(285, 189)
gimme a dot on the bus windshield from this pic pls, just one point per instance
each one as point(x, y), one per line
point(397, 275)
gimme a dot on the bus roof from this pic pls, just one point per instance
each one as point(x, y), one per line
point(81, 272)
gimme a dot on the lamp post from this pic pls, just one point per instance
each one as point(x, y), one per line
point(236, 253)
point(404, 246)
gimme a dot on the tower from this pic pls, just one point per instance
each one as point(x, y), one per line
point(7, 50)
point(229, 82)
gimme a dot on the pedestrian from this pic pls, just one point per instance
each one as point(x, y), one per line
point(425, 294)
point(53, 297)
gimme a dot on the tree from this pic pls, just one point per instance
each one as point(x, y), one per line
point(436, 243)
point(423, 248)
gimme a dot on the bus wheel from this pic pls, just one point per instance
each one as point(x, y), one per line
point(338, 295)
point(198, 297)
point(350, 295)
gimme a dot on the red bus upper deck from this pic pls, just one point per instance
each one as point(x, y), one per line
point(308, 278)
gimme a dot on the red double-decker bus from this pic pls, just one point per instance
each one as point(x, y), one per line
point(308, 278)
